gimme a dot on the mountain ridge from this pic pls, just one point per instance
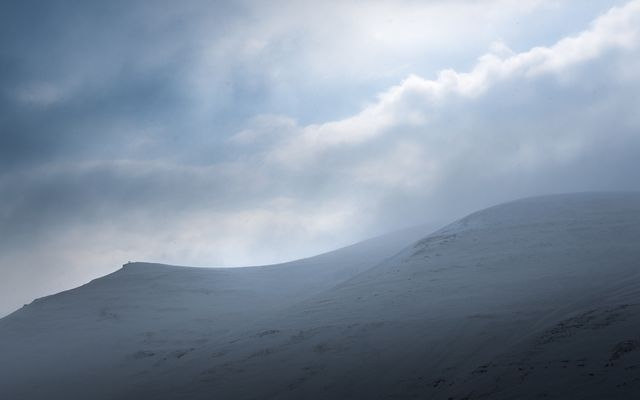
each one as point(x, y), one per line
point(491, 305)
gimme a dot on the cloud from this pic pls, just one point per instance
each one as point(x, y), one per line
point(415, 100)
point(247, 132)
point(516, 124)
point(190, 75)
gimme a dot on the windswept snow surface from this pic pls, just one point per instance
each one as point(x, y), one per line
point(538, 298)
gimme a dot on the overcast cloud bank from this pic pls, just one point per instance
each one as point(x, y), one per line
point(203, 142)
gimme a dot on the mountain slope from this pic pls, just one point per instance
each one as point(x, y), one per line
point(88, 342)
point(538, 298)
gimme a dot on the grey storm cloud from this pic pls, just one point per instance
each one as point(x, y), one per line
point(237, 133)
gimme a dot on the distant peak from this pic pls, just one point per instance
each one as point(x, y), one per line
point(555, 207)
point(146, 266)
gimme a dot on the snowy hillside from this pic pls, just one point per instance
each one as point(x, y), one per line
point(92, 340)
point(538, 298)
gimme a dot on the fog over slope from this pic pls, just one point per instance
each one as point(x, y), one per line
point(531, 299)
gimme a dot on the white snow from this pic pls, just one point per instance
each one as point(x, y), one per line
point(538, 297)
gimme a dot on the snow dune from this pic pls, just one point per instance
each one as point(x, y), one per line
point(538, 298)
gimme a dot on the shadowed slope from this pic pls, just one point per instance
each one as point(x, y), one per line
point(491, 306)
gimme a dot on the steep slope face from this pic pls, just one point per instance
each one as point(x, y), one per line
point(532, 299)
point(89, 342)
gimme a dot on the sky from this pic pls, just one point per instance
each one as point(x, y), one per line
point(230, 133)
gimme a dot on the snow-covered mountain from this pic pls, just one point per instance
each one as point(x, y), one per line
point(538, 298)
